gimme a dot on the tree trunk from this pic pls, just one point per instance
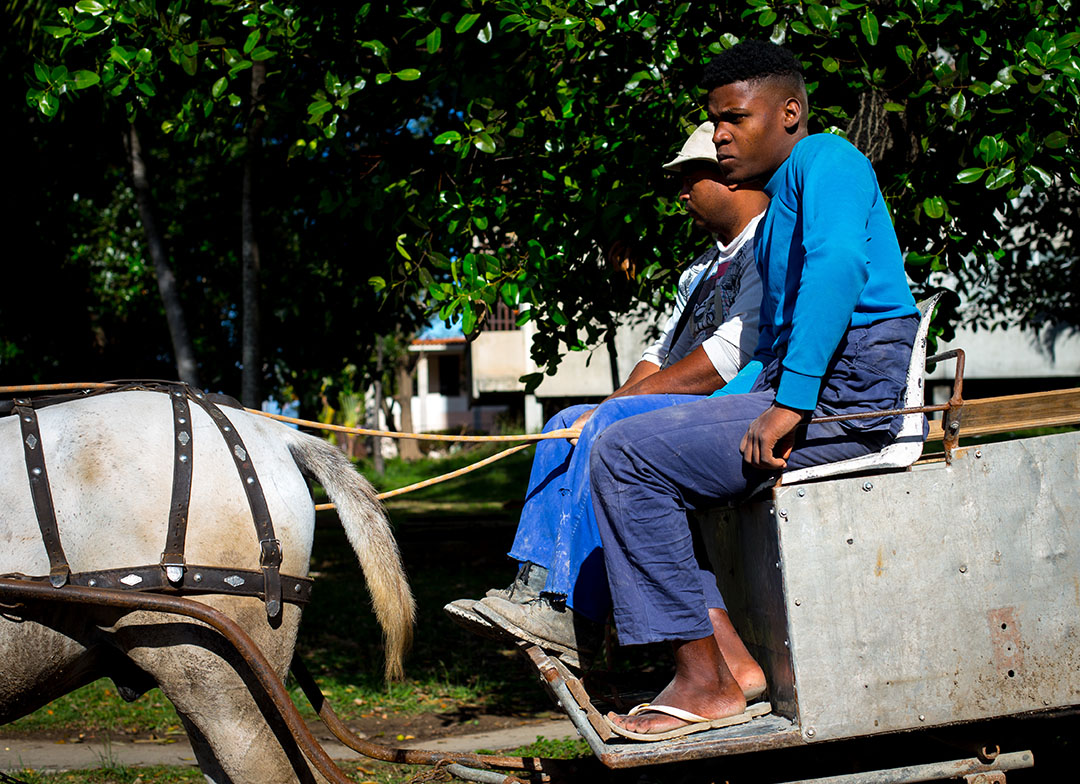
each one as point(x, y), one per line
point(376, 442)
point(186, 366)
point(408, 448)
point(250, 353)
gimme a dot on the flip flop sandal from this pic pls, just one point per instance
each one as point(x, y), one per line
point(694, 724)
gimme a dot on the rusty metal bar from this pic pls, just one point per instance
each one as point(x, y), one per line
point(933, 771)
point(950, 424)
point(14, 590)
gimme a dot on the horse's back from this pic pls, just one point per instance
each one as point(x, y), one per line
point(110, 461)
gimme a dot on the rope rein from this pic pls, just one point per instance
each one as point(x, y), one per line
point(568, 432)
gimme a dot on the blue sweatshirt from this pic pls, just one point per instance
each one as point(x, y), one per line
point(828, 259)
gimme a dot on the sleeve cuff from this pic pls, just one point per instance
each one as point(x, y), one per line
point(798, 391)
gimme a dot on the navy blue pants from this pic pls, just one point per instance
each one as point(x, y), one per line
point(648, 471)
point(557, 529)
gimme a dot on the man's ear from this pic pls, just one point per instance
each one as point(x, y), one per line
point(793, 114)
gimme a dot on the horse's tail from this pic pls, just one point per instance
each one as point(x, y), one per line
point(364, 519)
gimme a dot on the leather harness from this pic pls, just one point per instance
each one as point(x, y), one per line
point(173, 574)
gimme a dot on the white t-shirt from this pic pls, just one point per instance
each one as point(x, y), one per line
point(725, 317)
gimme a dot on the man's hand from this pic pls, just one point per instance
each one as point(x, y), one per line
point(580, 423)
point(769, 439)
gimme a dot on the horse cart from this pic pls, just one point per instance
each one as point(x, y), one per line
point(886, 597)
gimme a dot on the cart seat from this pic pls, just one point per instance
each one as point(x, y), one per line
point(907, 447)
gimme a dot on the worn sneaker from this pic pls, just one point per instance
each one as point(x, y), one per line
point(526, 586)
point(556, 628)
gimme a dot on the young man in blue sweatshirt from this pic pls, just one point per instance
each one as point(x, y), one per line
point(836, 329)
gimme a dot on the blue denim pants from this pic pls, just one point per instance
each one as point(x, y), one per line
point(557, 529)
point(650, 470)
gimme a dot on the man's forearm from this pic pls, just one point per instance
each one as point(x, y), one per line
point(692, 375)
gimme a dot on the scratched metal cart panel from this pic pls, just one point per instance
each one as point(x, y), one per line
point(943, 594)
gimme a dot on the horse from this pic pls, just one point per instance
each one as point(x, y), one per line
point(110, 460)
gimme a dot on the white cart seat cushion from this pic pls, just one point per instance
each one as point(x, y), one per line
point(907, 447)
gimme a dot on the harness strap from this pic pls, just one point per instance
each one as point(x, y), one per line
point(34, 453)
point(270, 554)
point(172, 558)
point(195, 580)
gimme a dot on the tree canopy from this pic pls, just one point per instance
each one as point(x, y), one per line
point(437, 158)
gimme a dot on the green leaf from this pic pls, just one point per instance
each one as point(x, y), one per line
point(1068, 40)
point(767, 17)
point(934, 206)
point(957, 104)
point(870, 28)
point(219, 87)
point(800, 28)
point(433, 40)
point(558, 317)
point(48, 104)
point(408, 74)
point(41, 72)
point(89, 7)
point(260, 53)
point(1056, 140)
point(377, 283)
point(468, 318)
point(819, 16)
point(447, 137)
point(484, 36)
point(904, 53)
point(56, 32)
point(970, 175)
point(830, 65)
point(400, 245)
point(1033, 175)
point(480, 222)
point(999, 179)
point(465, 22)
point(894, 107)
point(252, 39)
point(84, 79)
point(189, 64)
point(484, 143)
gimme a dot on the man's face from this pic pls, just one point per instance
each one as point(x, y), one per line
point(756, 128)
point(704, 196)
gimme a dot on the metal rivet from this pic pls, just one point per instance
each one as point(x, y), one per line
point(810, 732)
point(37, 472)
point(197, 577)
point(921, 717)
point(851, 541)
point(777, 564)
point(27, 419)
point(183, 458)
point(783, 512)
point(963, 570)
point(798, 602)
point(978, 453)
point(91, 583)
point(251, 480)
point(868, 486)
point(227, 429)
point(802, 492)
point(954, 426)
point(182, 421)
point(787, 643)
point(296, 588)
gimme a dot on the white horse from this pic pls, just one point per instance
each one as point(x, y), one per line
point(109, 460)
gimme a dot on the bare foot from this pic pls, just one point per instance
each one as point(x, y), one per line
point(702, 685)
point(747, 673)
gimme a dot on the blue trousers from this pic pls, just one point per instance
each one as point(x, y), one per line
point(557, 529)
point(649, 470)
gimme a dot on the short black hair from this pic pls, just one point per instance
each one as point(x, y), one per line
point(752, 61)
